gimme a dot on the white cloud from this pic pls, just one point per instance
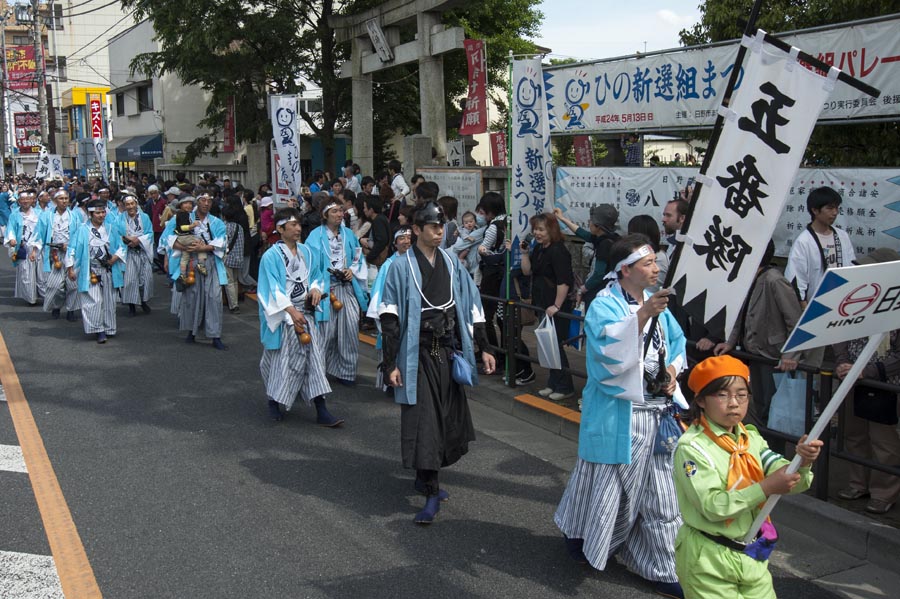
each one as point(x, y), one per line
point(671, 18)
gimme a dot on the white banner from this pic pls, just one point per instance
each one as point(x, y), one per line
point(287, 142)
point(42, 170)
point(100, 155)
point(532, 173)
point(850, 303)
point(56, 166)
point(762, 143)
point(456, 153)
point(683, 88)
point(870, 212)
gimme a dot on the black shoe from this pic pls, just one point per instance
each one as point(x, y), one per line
point(70, 315)
point(323, 416)
point(347, 382)
point(575, 547)
point(524, 379)
point(132, 310)
point(669, 589)
point(55, 314)
point(217, 343)
point(146, 307)
point(190, 338)
point(275, 411)
point(101, 337)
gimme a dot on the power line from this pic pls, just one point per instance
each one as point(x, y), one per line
point(87, 12)
point(113, 26)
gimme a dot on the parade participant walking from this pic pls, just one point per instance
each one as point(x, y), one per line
point(20, 234)
point(621, 497)
point(344, 293)
point(291, 280)
point(724, 473)
point(137, 236)
point(95, 262)
point(55, 230)
point(429, 310)
point(200, 304)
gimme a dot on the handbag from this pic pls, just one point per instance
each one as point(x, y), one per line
point(875, 405)
point(548, 344)
point(462, 371)
point(668, 432)
point(786, 412)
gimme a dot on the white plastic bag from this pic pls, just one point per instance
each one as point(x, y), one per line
point(787, 412)
point(547, 344)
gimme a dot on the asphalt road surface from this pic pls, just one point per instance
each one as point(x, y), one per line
point(180, 486)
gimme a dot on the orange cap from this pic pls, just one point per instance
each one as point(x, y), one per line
point(716, 367)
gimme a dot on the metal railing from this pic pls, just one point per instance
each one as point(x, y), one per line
point(833, 442)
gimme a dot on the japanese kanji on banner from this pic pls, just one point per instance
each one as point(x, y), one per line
point(287, 142)
point(532, 176)
point(474, 118)
point(498, 149)
point(765, 133)
point(584, 150)
point(97, 137)
point(42, 170)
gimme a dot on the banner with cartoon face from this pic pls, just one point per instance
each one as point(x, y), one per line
point(532, 174)
point(287, 141)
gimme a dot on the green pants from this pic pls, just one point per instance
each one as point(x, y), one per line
point(707, 570)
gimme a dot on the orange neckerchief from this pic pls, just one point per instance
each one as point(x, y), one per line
point(743, 469)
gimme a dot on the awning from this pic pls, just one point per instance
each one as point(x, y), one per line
point(142, 147)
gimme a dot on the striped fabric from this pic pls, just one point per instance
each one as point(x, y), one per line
point(295, 369)
point(340, 335)
point(201, 304)
point(629, 508)
point(60, 291)
point(98, 306)
point(27, 280)
point(138, 277)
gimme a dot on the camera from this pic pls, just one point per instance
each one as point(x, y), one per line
point(656, 385)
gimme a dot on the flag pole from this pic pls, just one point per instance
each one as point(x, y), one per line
point(509, 131)
point(821, 424)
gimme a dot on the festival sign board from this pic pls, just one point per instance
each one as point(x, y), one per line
point(850, 302)
point(98, 139)
point(499, 155)
point(464, 184)
point(28, 132)
point(474, 118)
point(287, 141)
point(683, 88)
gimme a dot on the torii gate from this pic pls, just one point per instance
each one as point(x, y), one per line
point(375, 35)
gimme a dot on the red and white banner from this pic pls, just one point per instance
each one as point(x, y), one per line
point(28, 132)
point(584, 150)
point(229, 132)
point(499, 155)
point(474, 118)
point(21, 67)
point(97, 136)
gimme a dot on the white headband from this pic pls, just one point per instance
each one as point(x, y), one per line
point(641, 252)
point(401, 232)
point(329, 207)
point(285, 221)
point(95, 208)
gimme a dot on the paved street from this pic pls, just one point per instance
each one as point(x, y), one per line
point(179, 485)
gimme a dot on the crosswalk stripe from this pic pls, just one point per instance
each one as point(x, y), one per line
point(11, 459)
point(28, 576)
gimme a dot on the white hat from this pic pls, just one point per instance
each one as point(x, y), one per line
point(266, 201)
point(173, 191)
point(152, 188)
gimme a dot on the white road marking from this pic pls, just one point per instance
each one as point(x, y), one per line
point(11, 459)
point(27, 576)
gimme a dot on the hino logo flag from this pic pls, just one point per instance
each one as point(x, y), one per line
point(287, 142)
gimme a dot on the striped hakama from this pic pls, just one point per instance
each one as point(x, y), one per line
point(294, 369)
point(340, 334)
point(138, 286)
point(60, 291)
point(98, 303)
point(626, 508)
point(201, 304)
point(27, 277)
point(175, 303)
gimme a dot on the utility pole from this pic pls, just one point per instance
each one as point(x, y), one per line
point(3, 84)
point(40, 72)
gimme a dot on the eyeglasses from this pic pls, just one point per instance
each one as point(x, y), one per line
point(742, 397)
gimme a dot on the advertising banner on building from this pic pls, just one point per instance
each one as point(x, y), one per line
point(98, 138)
point(287, 142)
point(683, 89)
point(28, 132)
point(474, 118)
point(532, 174)
point(21, 67)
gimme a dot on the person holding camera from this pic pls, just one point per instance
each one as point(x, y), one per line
point(620, 498)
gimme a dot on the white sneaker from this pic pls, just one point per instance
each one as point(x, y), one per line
point(559, 396)
point(545, 392)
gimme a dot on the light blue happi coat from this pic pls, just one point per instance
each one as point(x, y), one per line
point(401, 297)
point(272, 292)
point(375, 295)
point(318, 238)
point(79, 256)
point(218, 231)
point(44, 235)
point(615, 374)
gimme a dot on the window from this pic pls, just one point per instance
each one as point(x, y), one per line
point(120, 104)
point(52, 63)
point(314, 106)
point(145, 98)
point(57, 17)
point(22, 40)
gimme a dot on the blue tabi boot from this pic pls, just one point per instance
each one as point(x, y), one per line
point(275, 411)
point(432, 507)
point(217, 343)
point(575, 547)
point(323, 416)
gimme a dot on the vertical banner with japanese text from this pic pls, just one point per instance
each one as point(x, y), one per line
point(584, 150)
point(287, 142)
point(498, 149)
point(532, 174)
point(474, 118)
point(42, 170)
point(456, 153)
point(763, 139)
point(98, 139)
point(228, 133)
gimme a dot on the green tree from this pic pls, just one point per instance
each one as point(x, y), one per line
point(830, 145)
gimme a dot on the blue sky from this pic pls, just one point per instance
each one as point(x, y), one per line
point(591, 29)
